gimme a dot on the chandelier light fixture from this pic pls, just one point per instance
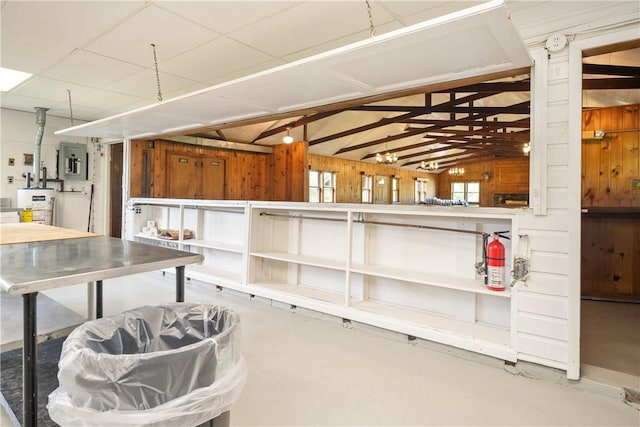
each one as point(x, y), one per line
point(388, 157)
point(430, 166)
point(456, 171)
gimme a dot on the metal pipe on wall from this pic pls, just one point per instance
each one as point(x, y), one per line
point(41, 119)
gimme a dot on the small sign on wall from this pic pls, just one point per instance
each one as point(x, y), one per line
point(635, 184)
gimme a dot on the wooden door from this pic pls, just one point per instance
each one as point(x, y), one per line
point(213, 183)
point(382, 185)
point(115, 189)
point(184, 176)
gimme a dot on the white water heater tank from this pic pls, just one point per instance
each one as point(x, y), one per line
point(40, 200)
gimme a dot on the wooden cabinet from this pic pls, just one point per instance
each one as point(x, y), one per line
point(194, 177)
point(410, 269)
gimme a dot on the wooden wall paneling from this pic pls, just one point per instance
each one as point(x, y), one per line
point(630, 154)
point(608, 165)
point(604, 177)
point(505, 176)
point(615, 169)
point(610, 248)
point(289, 172)
point(349, 177)
point(135, 188)
point(591, 151)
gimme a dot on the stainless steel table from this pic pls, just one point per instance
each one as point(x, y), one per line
point(28, 268)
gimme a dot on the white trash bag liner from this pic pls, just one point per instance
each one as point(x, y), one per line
point(176, 364)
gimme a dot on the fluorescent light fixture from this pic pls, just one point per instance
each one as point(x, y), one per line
point(11, 78)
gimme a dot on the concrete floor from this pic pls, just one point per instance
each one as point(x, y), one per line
point(308, 369)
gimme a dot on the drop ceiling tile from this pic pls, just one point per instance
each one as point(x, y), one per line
point(80, 114)
point(86, 68)
point(298, 31)
point(414, 12)
point(217, 58)
point(246, 72)
point(105, 100)
point(144, 84)
point(41, 53)
point(185, 90)
point(343, 41)
point(64, 22)
point(131, 40)
point(55, 90)
point(23, 103)
point(226, 16)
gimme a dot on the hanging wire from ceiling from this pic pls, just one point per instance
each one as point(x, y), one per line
point(155, 62)
point(70, 108)
point(372, 29)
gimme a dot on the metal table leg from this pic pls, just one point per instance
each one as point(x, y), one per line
point(98, 299)
point(180, 283)
point(29, 361)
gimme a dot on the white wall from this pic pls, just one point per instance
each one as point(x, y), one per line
point(548, 307)
point(71, 209)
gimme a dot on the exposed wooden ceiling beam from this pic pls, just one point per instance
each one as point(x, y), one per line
point(395, 119)
point(520, 109)
point(489, 124)
point(611, 70)
point(411, 133)
point(297, 123)
point(520, 135)
point(612, 83)
point(518, 86)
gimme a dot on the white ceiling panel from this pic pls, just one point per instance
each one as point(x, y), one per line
point(131, 40)
point(432, 58)
point(55, 90)
point(50, 20)
point(214, 59)
point(102, 99)
point(345, 17)
point(42, 53)
point(226, 16)
point(90, 69)
point(294, 88)
point(288, 87)
point(145, 85)
point(24, 103)
point(430, 9)
point(208, 108)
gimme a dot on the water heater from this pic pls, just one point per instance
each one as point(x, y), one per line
point(40, 201)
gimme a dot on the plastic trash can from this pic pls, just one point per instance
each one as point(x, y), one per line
point(169, 365)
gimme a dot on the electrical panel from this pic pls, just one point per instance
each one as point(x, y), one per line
point(72, 161)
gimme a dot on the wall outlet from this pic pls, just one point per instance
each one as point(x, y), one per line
point(10, 179)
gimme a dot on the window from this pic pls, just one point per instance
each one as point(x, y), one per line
point(421, 190)
point(367, 196)
point(322, 187)
point(469, 191)
point(395, 190)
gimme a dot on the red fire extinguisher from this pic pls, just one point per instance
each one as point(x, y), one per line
point(495, 264)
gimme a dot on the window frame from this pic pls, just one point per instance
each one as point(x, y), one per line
point(466, 192)
point(322, 188)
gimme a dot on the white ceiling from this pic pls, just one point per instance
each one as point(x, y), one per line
point(100, 50)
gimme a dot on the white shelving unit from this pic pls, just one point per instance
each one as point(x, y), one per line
point(218, 231)
point(410, 269)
